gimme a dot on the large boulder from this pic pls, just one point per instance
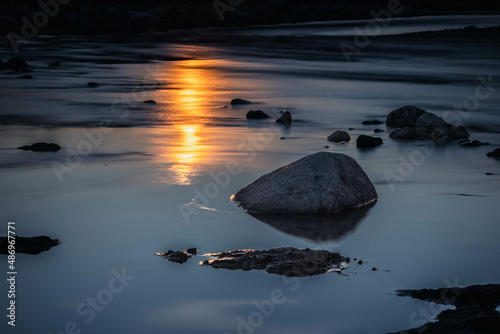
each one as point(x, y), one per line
point(317, 184)
point(404, 117)
point(339, 136)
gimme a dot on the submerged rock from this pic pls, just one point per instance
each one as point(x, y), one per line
point(404, 134)
point(55, 64)
point(29, 245)
point(378, 130)
point(257, 114)
point(285, 119)
point(240, 101)
point(473, 143)
point(286, 261)
point(404, 117)
point(150, 102)
point(494, 154)
point(41, 147)
point(15, 64)
point(372, 122)
point(364, 141)
point(317, 184)
point(25, 77)
point(339, 136)
point(475, 309)
point(92, 84)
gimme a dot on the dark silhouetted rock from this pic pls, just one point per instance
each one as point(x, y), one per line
point(364, 141)
point(92, 85)
point(473, 143)
point(404, 117)
point(431, 126)
point(41, 147)
point(339, 136)
point(372, 122)
point(378, 130)
point(404, 134)
point(318, 228)
point(320, 183)
point(15, 64)
point(25, 77)
point(286, 261)
point(286, 118)
point(55, 64)
point(475, 309)
point(176, 256)
point(257, 114)
point(240, 101)
point(192, 251)
point(28, 245)
point(457, 132)
point(150, 102)
point(494, 154)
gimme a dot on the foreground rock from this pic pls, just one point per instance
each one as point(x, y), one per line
point(339, 136)
point(404, 117)
point(475, 309)
point(285, 119)
point(41, 147)
point(320, 183)
point(257, 114)
point(286, 261)
point(364, 141)
point(29, 245)
point(494, 154)
point(240, 101)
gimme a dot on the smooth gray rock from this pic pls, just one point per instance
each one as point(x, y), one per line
point(431, 126)
point(339, 136)
point(404, 117)
point(285, 119)
point(317, 184)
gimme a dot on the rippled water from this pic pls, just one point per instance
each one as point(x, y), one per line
point(124, 200)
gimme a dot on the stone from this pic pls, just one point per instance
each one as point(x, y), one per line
point(285, 261)
point(25, 77)
point(339, 136)
point(29, 245)
point(473, 143)
point(378, 130)
point(364, 141)
point(319, 183)
point(55, 64)
point(372, 122)
point(15, 64)
point(494, 154)
point(240, 101)
point(404, 134)
point(150, 102)
point(257, 114)
point(285, 119)
point(404, 117)
point(41, 147)
point(92, 85)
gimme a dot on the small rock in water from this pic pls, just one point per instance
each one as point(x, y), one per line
point(378, 130)
point(257, 114)
point(150, 102)
point(339, 136)
point(408, 134)
point(92, 84)
point(55, 64)
point(15, 64)
point(494, 154)
point(25, 77)
point(29, 245)
point(192, 251)
point(364, 141)
point(327, 146)
point(41, 147)
point(360, 262)
point(474, 143)
point(240, 101)
point(285, 119)
point(404, 117)
point(350, 129)
point(374, 269)
point(372, 122)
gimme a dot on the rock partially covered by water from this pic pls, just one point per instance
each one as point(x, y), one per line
point(240, 101)
point(286, 261)
point(364, 141)
point(475, 309)
point(404, 134)
point(178, 256)
point(285, 119)
point(14, 64)
point(404, 117)
point(257, 114)
point(28, 245)
point(494, 154)
point(41, 147)
point(339, 136)
point(319, 183)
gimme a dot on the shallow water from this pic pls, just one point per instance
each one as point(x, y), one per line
point(122, 202)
